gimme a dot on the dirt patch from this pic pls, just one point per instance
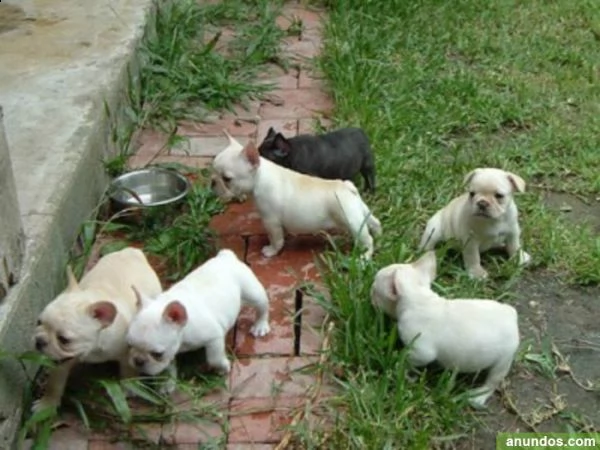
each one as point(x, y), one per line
point(575, 209)
point(11, 17)
point(556, 383)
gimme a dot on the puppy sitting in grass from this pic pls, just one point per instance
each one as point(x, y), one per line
point(291, 201)
point(340, 154)
point(88, 322)
point(465, 335)
point(485, 217)
point(196, 312)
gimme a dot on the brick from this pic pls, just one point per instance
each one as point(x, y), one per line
point(69, 438)
point(279, 78)
point(234, 243)
point(302, 49)
point(250, 447)
point(194, 162)
point(311, 334)
point(202, 431)
point(270, 377)
point(297, 104)
point(188, 402)
point(239, 219)
point(287, 127)
point(150, 143)
point(246, 112)
point(203, 146)
point(311, 126)
point(296, 261)
point(148, 432)
point(261, 420)
point(309, 79)
point(280, 340)
point(107, 445)
point(235, 127)
point(311, 18)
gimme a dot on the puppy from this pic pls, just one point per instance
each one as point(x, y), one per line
point(341, 154)
point(196, 312)
point(88, 322)
point(484, 217)
point(466, 335)
point(291, 201)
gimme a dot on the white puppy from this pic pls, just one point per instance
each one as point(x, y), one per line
point(466, 335)
point(196, 312)
point(291, 201)
point(485, 217)
point(88, 322)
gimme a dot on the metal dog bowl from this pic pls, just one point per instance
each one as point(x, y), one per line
point(148, 188)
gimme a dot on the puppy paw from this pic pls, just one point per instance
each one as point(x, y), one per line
point(478, 273)
point(524, 258)
point(168, 387)
point(269, 251)
point(260, 329)
point(223, 367)
point(43, 403)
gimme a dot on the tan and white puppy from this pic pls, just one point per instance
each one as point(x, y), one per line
point(196, 312)
point(465, 335)
point(291, 201)
point(485, 217)
point(88, 322)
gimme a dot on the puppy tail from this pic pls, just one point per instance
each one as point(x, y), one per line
point(227, 253)
point(372, 222)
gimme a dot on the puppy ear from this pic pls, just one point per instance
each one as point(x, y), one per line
point(72, 284)
point(175, 313)
point(427, 266)
point(104, 312)
point(395, 286)
point(141, 301)
point(282, 145)
point(251, 153)
point(271, 132)
point(516, 181)
point(469, 176)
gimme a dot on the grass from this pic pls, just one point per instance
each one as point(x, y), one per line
point(442, 88)
point(197, 59)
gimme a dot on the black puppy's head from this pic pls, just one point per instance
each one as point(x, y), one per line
point(275, 147)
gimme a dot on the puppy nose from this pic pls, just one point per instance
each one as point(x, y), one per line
point(482, 204)
point(40, 343)
point(138, 362)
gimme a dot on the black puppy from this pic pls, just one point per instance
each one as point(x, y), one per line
point(341, 154)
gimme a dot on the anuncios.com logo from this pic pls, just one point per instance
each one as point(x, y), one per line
point(536, 441)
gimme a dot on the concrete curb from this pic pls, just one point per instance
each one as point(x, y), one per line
point(58, 134)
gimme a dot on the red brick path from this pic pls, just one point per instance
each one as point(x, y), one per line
point(265, 386)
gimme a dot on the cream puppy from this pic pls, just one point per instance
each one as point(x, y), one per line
point(196, 312)
point(484, 217)
point(88, 322)
point(466, 335)
point(291, 201)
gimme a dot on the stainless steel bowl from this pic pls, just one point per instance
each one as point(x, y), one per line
point(148, 188)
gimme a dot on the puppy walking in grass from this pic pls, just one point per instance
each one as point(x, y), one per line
point(291, 201)
point(88, 322)
point(196, 312)
point(485, 217)
point(466, 335)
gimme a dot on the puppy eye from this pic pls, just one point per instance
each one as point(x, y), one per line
point(63, 340)
point(226, 179)
point(499, 196)
point(472, 194)
point(157, 355)
point(38, 323)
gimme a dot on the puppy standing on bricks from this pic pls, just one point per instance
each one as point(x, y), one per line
point(291, 201)
point(196, 312)
point(485, 217)
point(88, 322)
point(340, 154)
point(466, 335)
